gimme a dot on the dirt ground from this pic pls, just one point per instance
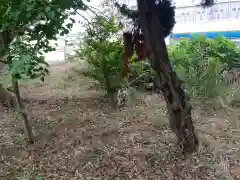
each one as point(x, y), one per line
point(81, 137)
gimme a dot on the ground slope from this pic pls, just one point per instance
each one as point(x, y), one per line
point(80, 137)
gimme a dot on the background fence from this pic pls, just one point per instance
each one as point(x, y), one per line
point(65, 48)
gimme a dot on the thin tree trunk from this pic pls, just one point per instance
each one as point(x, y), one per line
point(178, 105)
point(21, 109)
point(7, 98)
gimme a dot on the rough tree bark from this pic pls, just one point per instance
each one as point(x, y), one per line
point(21, 109)
point(178, 105)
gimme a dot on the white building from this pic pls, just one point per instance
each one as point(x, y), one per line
point(223, 18)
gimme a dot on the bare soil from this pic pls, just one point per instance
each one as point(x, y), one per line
point(81, 137)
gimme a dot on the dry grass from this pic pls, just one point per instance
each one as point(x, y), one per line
point(80, 137)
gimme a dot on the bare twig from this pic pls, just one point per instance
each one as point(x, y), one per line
point(88, 22)
point(90, 9)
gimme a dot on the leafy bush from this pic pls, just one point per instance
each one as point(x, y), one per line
point(142, 76)
point(26, 61)
point(102, 49)
point(200, 62)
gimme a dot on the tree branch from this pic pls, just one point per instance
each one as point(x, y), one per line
point(4, 62)
point(90, 9)
point(88, 23)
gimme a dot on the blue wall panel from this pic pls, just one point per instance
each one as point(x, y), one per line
point(227, 34)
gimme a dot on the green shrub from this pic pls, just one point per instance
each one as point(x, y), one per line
point(200, 62)
point(102, 49)
point(142, 76)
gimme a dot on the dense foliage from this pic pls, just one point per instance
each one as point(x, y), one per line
point(201, 61)
point(27, 27)
point(102, 49)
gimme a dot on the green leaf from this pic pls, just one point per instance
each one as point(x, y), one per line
point(48, 8)
point(51, 14)
point(26, 58)
point(8, 10)
point(17, 76)
point(44, 19)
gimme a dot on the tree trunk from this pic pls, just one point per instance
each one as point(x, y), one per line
point(21, 109)
point(7, 99)
point(179, 108)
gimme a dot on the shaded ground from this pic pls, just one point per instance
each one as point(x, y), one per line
point(80, 137)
